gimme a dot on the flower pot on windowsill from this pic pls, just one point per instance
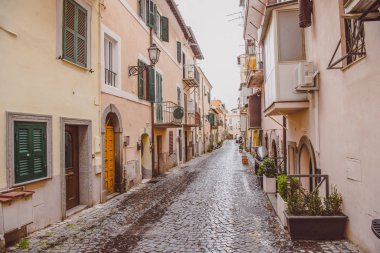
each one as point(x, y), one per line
point(269, 184)
point(281, 207)
point(316, 227)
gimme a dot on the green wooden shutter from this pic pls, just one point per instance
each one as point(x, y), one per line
point(30, 151)
point(212, 119)
point(140, 81)
point(151, 14)
point(81, 37)
point(179, 51)
point(165, 29)
point(75, 33)
point(152, 86)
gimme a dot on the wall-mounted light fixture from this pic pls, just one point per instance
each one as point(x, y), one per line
point(154, 56)
point(126, 141)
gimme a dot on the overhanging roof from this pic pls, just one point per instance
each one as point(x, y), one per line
point(286, 107)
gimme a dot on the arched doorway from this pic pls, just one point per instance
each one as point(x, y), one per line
point(146, 157)
point(307, 163)
point(112, 152)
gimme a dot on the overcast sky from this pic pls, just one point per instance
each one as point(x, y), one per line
point(220, 41)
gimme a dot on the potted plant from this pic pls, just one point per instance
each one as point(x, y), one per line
point(244, 159)
point(270, 172)
point(241, 147)
point(282, 195)
point(309, 218)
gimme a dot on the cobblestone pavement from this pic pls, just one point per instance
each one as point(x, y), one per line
point(212, 204)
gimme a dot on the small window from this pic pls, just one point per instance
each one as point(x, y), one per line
point(165, 29)
point(30, 161)
point(157, 26)
point(178, 95)
point(141, 8)
point(75, 33)
point(110, 64)
point(179, 51)
point(291, 37)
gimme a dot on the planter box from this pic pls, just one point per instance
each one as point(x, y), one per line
point(269, 184)
point(281, 207)
point(316, 227)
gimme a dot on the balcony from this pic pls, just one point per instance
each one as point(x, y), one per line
point(190, 75)
point(192, 119)
point(167, 115)
point(110, 77)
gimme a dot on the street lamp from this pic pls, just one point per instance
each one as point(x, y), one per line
point(154, 56)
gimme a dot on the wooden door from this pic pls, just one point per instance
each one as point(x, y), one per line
point(71, 166)
point(159, 152)
point(109, 160)
point(180, 145)
point(186, 147)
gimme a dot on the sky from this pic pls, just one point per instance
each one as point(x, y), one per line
point(220, 40)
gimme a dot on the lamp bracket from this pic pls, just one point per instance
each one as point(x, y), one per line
point(136, 70)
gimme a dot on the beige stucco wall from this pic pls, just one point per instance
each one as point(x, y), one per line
point(34, 81)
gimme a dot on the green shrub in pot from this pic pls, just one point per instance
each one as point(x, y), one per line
point(333, 203)
point(313, 203)
point(269, 168)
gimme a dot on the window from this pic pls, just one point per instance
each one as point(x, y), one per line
point(146, 83)
point(151, 11)
point(291, 38)
point(157, 25)
point(109, 61)
point(141, 8)
point(28, 148)
point(178, 95)
point(179, 51)
point(171, 143)
point(353, 43)
point(74, 33)
point(165, 29)
point(29, 151)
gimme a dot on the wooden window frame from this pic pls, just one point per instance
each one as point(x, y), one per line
point(12, 118)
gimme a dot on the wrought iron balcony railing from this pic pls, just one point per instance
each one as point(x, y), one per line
point(168, 114)
point(110, 77)
point(191, 75)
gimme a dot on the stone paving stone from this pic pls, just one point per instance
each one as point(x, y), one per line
point(212, 204)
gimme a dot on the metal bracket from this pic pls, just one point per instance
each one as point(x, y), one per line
point(278, 122)
point(136, 70)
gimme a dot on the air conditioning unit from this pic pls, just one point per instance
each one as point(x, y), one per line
point(305, 75)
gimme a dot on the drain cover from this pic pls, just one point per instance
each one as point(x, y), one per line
point(376, 227)
point(153, 182)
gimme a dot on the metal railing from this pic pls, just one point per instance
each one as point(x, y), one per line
point(110, 77)
point(167, 113)
point(190, 72)
point(315, 182)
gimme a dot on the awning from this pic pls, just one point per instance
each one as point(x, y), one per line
point(286, 107)
point(253, 16)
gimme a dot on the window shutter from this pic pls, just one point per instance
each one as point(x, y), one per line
point(165, 29)
point(75, 33)
point(179, 51)
point(81, 37)
point(152, 86)
point(140, 81)
point(212, 119)
point(30, 151)
point(151, 17)
point(69, 31)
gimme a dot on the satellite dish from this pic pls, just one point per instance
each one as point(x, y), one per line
point(178, 113)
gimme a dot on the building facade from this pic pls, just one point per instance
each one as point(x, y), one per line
point(51, 157)
point(312, 91)
point(233, 123)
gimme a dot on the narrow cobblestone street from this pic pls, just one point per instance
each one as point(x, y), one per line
point(211, 204)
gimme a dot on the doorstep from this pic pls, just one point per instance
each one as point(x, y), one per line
point(112, 195)
point(75, 210)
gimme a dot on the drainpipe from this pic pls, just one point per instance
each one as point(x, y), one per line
point(154, 173)
point(203, 118)
point(316, 119)
point(284, 142)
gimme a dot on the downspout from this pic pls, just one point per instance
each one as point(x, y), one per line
point(316, 118)
point(203, 118)
point(154, 173)
point(284, 142)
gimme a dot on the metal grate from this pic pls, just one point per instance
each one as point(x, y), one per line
point(376, 227)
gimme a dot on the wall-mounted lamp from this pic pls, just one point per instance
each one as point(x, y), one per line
point(154, 56)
